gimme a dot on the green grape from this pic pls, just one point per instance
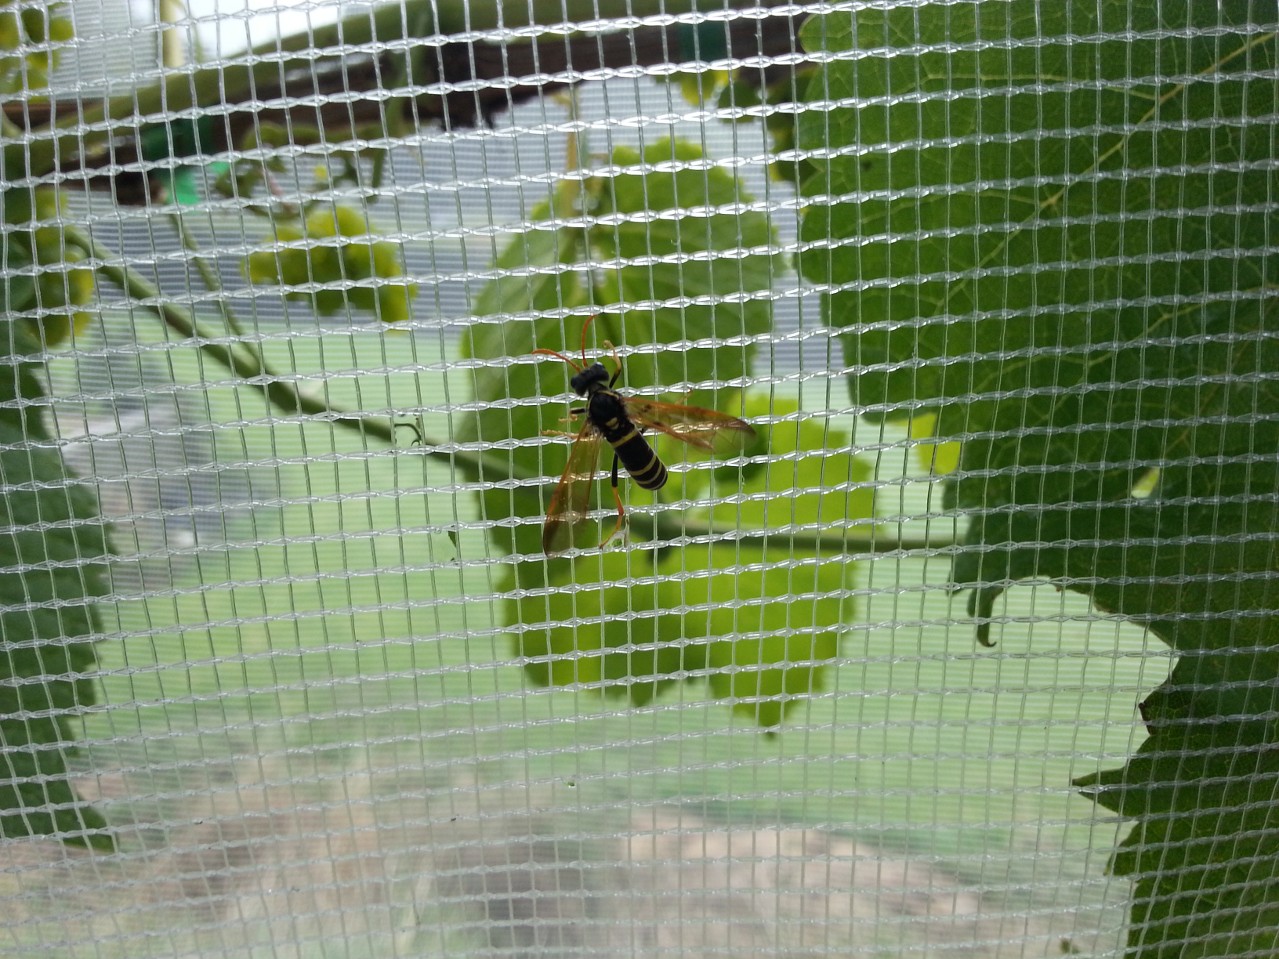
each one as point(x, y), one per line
point(80, 279)
point(363, 298)
point(35, 24)
point(21, 206)
point(48, 245)
point(338, 220)
point(10, 30)
point(338, 248)
point(275, 265)
point(342, 261)
point(50, 204)
point(40, 29)
point(58, 292)
point(325, 302)
point(61, 30)
point(395, 302)
point(17, 294)
point(285, 263)
point(262, 267)
point(326, 264)
point(358, 260)
point(11, 78)
point(386, 260)
point(59, 285)
point(290, 232)
point(320, 225)
point(52, 293)
point(350, 221)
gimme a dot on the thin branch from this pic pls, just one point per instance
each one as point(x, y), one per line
point(212, 282)
point(862, 538)
point(250, 366)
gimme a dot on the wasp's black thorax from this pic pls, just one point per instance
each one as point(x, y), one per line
point(606, 409)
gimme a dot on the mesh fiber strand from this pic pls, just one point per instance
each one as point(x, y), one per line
point(949, 634)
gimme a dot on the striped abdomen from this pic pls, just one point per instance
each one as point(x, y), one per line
point(608, 413)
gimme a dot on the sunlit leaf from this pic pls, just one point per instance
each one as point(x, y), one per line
point(810, 481)
point(598, 627)
point(773, 625)
point(676, 234)
point(938, 457)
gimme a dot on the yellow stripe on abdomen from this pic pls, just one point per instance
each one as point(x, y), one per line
point(640, 461)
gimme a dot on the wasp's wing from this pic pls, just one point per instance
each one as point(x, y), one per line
point(709, 430)
point(571, 501)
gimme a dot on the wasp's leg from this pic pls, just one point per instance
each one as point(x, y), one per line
point(572, 413)
point(617, 360)
point(617, 498)
point(416, 425)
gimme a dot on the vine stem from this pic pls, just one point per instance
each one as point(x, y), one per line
point(247, 362)
point(862, 538)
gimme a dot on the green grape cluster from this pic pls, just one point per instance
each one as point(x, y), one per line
point(333, 245)
point(29, 40)
point(58, 284)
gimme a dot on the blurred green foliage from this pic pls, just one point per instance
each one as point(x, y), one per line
point(30, 38)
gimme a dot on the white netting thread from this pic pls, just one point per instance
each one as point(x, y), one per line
point(312, 734)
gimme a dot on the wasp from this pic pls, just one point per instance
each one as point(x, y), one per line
point(621, 421)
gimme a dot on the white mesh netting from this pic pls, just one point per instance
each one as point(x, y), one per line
point(906, 297)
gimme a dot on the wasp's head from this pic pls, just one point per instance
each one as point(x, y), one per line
point(584, 379)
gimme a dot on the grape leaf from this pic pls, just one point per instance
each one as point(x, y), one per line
point(671, 253)
point(773, 625)
point(616, 635)
point(686, 244)
point(1203, 788)
point(1051, 227)
point(811, 481)
point(982, 256)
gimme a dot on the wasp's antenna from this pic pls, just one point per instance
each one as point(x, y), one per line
point(543, 351)
point(586, 326)
point(617, 360)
